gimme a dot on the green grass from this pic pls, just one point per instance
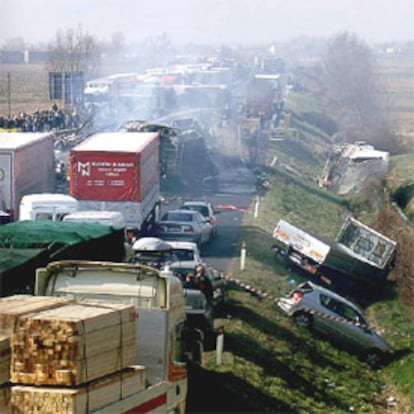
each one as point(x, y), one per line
point(274, 366)
point(401, 171)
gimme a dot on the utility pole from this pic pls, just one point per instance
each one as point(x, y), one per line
point(9, 92)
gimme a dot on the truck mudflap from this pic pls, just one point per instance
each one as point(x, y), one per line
point(150, 400)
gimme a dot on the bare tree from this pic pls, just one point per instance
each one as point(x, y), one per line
point(117, 43)
point(353, 93)
point(74, 51)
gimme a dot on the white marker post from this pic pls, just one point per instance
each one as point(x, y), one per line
point(243, 256)
point(256, 207)
point(220, 345)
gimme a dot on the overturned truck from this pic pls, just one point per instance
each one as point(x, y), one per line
point(359, 252)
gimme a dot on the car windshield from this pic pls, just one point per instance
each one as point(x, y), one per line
point(194, 302)
point(174, 216)
point(184, 254)
point(201, 209)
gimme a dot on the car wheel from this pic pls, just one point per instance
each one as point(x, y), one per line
point(303, 320)
point(374, 358)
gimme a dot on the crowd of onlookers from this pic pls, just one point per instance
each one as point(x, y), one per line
point(45, 120)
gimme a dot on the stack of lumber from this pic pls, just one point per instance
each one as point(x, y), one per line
point(60, 356)
point(4, 358)
point(81, 400)
point(72, 344)
point(11, 307)
point(5, 398)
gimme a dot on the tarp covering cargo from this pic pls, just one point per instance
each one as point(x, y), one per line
point(115, 166)
point(30, 244)
point(17, 269)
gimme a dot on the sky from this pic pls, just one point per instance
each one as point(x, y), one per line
point(208, 21)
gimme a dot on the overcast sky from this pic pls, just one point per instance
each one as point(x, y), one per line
point(209, 21)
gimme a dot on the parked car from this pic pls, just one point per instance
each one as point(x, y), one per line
point(313, 306)
point(183, 250)
point(206, 209)
point(199, 312)
point(184, 225)
point(152, 251)
point(195, 275)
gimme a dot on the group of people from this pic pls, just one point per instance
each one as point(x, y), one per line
point(44, 120)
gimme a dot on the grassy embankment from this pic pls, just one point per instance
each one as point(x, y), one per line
point(273, 365)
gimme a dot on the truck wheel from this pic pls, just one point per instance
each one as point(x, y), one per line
point(303, 320)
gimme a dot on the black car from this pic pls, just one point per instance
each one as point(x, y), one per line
point(195, 275)
point(199, 312)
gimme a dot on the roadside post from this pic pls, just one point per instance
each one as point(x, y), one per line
point(219, 345)
point(256, 207)
point(243, 256)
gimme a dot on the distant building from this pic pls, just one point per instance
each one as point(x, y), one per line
point(32, 56)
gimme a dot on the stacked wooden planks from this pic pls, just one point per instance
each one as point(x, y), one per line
point(65, 357)
point(5, 391)
point(5, 353)
point(11, 307)
point(80, 400)
point(72, 344)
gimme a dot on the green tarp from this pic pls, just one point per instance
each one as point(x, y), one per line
point(17, 269)
point(26, 245)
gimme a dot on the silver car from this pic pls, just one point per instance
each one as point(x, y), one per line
point(207, 210)
point(184, 225)
point(184, 250)
point(313, 306)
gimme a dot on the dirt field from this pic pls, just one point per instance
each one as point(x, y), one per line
point(29, 89)
point(398, 77)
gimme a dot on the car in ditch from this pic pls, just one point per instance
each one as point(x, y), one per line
point(184, 225)
point(315, 307)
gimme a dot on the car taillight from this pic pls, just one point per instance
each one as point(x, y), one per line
point(188, 229)
point(297, 296)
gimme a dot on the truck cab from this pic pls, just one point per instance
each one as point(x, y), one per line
point(107, 218)
point(160, 314)
point(46, 206)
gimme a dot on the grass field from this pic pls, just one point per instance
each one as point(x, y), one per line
point(397, 74)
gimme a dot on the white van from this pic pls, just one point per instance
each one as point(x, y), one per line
point(108, 218)
point(46, 206)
